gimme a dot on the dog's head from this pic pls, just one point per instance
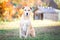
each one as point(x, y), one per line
point(27, 11)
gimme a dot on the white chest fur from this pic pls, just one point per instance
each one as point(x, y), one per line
point(25, 24)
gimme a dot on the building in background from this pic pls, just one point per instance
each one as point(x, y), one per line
point(46, 13)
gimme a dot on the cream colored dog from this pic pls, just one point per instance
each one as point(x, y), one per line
point(25, 24)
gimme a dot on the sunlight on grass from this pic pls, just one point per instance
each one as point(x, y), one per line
point(35, 23)
point(45, 23)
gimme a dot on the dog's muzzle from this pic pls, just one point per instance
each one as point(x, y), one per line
point(26, 14)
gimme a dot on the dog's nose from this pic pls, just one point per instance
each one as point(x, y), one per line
point(26, 14)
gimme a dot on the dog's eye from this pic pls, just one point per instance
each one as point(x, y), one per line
point(25, 9)
point(28, 10)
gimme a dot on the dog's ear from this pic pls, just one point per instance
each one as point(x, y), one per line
point(23, 7)
point(31, 8)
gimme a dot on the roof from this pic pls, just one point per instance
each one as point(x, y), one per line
point(46, 9)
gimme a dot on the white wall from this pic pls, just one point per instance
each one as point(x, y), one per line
point(58, 16)
point(51, 16)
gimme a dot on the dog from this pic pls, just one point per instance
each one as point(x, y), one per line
point(25, 24)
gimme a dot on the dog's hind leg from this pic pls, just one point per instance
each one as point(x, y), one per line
point(32, 32)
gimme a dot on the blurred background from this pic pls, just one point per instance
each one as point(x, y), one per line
point(10, 9)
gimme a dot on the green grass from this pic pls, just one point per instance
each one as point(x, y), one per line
point(41, 34)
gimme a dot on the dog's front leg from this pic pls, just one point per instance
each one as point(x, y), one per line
point(27, 33)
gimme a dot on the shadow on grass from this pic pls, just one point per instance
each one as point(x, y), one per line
point(42, 33)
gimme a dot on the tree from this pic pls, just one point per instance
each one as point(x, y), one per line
point(58, 3)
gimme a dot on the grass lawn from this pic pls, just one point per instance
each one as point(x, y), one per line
point(42, 33)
